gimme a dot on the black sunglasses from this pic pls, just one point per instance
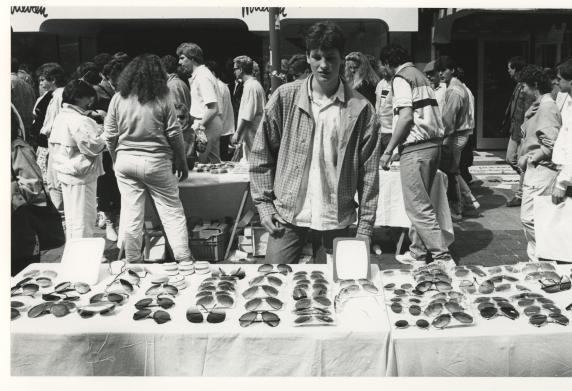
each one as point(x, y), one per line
point(194, 315)
point(270, 318)
point(420, 323)
point(443, 320)
point(255, 303)
point(282, 268)
point(268, 290)
point(539, 320)
point(552, 286)
point(158, 316)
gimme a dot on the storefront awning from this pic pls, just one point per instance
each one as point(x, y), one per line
point(30, 19)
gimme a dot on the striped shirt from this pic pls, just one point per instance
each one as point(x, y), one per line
point(412, 89)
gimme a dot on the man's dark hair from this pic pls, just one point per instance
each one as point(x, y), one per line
point(325, 35)
point(536, 77)
point(89, 72)
point(53, 72)
point(77, 89)
point(245, 63)
point(517, 63)
point(565, 69)
point(192, 51)
point(113, 69)
point(394, 55)
point(170, 63)
point(101, 59)
point(446, 62)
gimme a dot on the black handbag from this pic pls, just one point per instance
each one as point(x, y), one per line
point(47, 222)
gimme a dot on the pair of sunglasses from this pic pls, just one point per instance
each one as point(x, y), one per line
point(313, 303)
point(238, 274)
point(271, 280)
point(552, 286)
point(158, 316)
point(270, 318)
point(163, 302)
point(115, 298)
point(281, 268)
point(220, 298)
point(528, 302)
point(312, 311)
point(320, 319)
point(216, 286)
point(436, 308)
point(489, 311)
point(162, 288)
point(300, 293)
point(539, 320)
point(538, 267)
point(440, 286)
point(420, 323)
point(443, 320)
point(194, 315)
point(253, 290)
point(256, 303)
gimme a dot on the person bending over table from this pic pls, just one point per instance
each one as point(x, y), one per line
point(319, 129)
point(145, 140)
point(418, 131)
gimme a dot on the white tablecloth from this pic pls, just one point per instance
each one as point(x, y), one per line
point(118, 345)
point(495, 347)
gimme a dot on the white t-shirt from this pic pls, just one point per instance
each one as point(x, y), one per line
point(204, 90)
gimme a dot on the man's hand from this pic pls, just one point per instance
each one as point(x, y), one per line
point(234, 139)
point(385, 161)
point(532, 109)
point(558, 195)
point(546, 141)
point(181, 169)
point(273, 223)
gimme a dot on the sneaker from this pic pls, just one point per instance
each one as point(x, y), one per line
point(445, 264)
point(110, 233)
point(456, 217)
point(408, 259)
point(471, 213)
point(516, 201)
point(100, 222)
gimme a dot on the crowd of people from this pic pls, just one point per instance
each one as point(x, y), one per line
point(94, 145)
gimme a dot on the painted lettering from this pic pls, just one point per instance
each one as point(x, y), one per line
point(252, 10)
point(29, 10)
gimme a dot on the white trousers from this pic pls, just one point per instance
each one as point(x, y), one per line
point(80, 209)
point(135, 174)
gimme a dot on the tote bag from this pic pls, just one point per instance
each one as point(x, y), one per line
point(553, 228)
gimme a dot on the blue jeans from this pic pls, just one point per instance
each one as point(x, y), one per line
point(135, 174)
point(417, 171)
point(287, 246)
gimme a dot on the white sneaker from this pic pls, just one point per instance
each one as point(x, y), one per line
point(110, 233)
point(100, 220)
point(407, 259)
point(445, 264)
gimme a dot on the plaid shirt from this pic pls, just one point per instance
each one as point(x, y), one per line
point(284, 140)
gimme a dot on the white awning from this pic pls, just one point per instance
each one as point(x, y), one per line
point(30, 19)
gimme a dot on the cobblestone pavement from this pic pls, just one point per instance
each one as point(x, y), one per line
point(494, 238)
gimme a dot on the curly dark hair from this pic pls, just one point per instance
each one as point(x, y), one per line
point(170, 63)
point(77, 89)
point(394, 55)
point(536, 77)
point(144, 77)
point(53, 72)
point(325, 35)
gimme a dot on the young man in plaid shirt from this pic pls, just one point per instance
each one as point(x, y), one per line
point(318, 144)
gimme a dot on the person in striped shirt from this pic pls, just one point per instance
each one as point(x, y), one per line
point(418, 133)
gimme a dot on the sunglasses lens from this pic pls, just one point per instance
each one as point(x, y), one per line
point(265, 268)
point(170, 289)
point(502, 287)
point(389, 286)
point(415, 310)
point(424, 286)
point(205, 301)
point(143, 303)
point(274, 303)
point(274, 281)
point(161, 317)
point(253, 304)
point(532, 310)
point(433, 309)
point(560, 319)
point(323, 301)
point(142, 314)
point(216, 316)
point(203, 294)
point(270, 319)
point(194, 315)
point(401, 324)
point(537, 320)
point(86, 314)
point(256, 280)
point(225, 300)
point(463, 317)
point(441, 321)
point(525, 302)
point(544, 300)
point(396, 307)
point(270, 290)
point(488, 312)
point(302, 319)
point(250, 292)
point(298, 294)
point(284, 268)
point(370, 288)
point(422, 324)
point(510, 312)
point(451, 306)
point(303, 304)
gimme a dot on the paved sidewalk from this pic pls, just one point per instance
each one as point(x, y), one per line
point(494, 238)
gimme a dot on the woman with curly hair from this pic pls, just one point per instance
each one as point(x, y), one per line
point(542, 121)
point(361, 76)
point(144, 139)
